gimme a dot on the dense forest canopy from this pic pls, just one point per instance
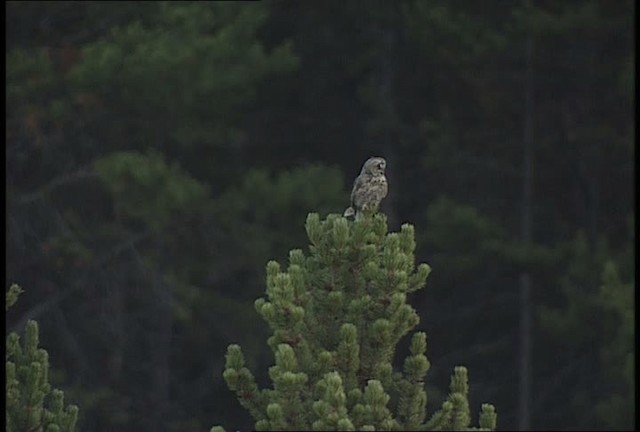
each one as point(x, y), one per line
point(160, 153)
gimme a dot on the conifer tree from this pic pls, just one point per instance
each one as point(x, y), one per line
point(336, 315)
point(31, 403)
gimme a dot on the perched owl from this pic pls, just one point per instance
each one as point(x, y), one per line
point(369, 188)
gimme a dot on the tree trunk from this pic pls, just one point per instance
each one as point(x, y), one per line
point(383, 126)
point(524, 407)
point(160, 353)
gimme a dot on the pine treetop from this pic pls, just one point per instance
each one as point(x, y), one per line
point(32, 405)
point(336, 314)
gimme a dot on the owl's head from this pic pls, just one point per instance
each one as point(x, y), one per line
point(374, 166)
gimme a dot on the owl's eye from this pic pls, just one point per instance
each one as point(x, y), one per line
point(380, 165)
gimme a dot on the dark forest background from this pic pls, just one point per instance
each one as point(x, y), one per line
point(159, 154)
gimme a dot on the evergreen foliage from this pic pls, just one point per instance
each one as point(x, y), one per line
point(616, 408)
point(32, 405)
point(144, 187)
point(159, 153)
point(336, 316)
point(605, 312)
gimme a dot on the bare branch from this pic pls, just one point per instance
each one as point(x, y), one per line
point(82, 174)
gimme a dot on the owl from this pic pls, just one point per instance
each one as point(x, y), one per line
point(369, 188)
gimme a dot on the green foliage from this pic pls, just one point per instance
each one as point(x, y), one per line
point(466, 242)
point(27, 74)
point(12, 295)
point(431, 22)
point(616, 408)
point(187, 67)
point(584, 264)
point(262, 208)
point(32, 405)
point(336, 316)
point(266, 199)
point(603, 313)
point(145, 188)
point(462, 236)
point(436, 86)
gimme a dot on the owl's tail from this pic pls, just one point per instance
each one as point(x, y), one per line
point(349, 212)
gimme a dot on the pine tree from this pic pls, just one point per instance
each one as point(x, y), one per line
point(31, 403)
point(336, 315)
